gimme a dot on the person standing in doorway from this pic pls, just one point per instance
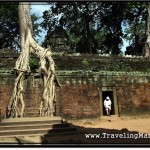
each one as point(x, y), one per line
point(107, 105)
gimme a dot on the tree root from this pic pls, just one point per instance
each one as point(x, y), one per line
point(16, 105)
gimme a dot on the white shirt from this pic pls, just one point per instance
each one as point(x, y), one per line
point(107, 103)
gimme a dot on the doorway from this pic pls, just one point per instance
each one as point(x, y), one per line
point(111, 96)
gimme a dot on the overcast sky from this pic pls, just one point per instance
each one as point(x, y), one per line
point(39, 7)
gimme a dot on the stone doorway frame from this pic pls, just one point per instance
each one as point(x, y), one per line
point(109, 89)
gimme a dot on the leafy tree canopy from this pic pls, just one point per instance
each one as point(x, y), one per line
point(9, 25)
point(98, 25)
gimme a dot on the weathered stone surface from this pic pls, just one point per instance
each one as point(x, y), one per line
point(87, 62)
point(80, 93)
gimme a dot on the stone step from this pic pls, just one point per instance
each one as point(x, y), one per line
point(36, 126)
point(31, 121)
point(35, 132)
point(32, 126)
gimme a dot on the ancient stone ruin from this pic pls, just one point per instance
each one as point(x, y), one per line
point(85, 81)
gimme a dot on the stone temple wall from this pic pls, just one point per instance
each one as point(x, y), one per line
point(83, 90)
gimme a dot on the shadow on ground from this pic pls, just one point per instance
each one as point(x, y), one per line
point(99, 136)
point(86, 136)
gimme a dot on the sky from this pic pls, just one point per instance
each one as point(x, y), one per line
point(39, 7)
point(125, 44)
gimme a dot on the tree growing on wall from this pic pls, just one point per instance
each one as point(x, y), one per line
point(16, 105)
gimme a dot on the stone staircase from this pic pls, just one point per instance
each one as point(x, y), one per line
point(34, 126)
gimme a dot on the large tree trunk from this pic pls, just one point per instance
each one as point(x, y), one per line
point(88, 30)
point(88, 36)
point(136, 35)
point(147, 43)
point(47, 68)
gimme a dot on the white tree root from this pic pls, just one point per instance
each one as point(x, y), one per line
point(16, 105)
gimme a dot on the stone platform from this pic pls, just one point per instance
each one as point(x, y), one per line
point(34, 126)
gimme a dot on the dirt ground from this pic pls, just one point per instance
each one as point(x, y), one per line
point(141, 125)
point(130, 128)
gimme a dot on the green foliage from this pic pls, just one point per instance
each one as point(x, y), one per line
point(116, 67)
point(126, 68)
point(57, 68)
point(34, 64)
point(148, 70)
point(135, 21)
point(77, 18)
point(36, 30)
point(7, 51)
point(85, 62)
point(90, 26)
point(111, 19)
point(122, 66)
point(9, 25)
point(98, 25)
